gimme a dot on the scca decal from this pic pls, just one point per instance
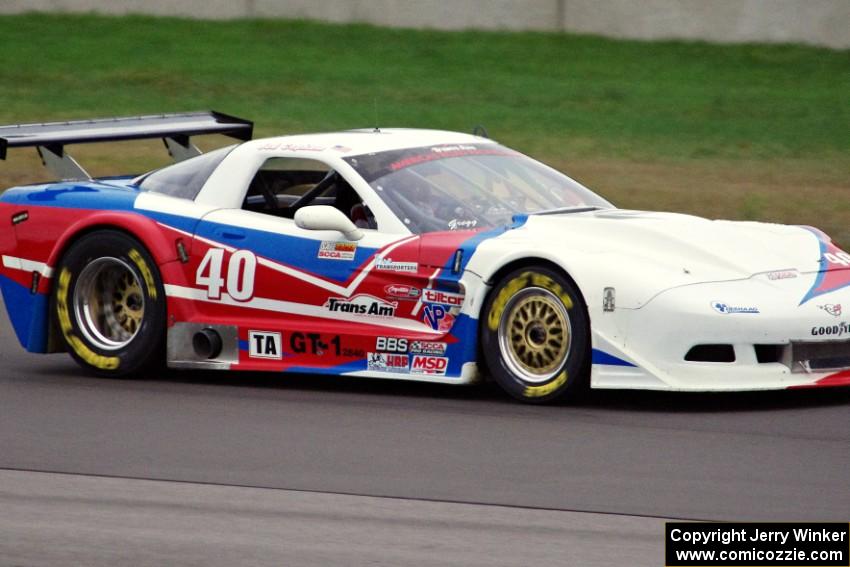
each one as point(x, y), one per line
point(428, 347)
point(333, 250)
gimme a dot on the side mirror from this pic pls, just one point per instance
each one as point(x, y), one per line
point(325, 217)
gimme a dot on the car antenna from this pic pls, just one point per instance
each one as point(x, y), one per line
point(480, 130)
point(377, 130)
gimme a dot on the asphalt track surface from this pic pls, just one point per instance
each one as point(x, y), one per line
point(320, 470)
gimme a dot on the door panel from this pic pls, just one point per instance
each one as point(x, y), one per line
point(323, 299)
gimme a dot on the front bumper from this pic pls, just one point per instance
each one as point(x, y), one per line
point(777, 343)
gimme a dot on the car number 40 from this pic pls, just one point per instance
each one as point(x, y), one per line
point(841, 258)
point(239, 281)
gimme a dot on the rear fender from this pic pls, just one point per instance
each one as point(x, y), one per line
point(37, 334)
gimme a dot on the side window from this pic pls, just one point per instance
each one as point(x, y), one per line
point(283, 185)
point(186, 178)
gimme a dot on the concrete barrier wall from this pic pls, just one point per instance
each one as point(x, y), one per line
point(818, 22)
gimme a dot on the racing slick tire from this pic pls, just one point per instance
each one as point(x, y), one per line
point(535, 335)
point(108, 304)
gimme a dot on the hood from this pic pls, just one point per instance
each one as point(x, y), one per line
point(710, 250)
point(647, 252)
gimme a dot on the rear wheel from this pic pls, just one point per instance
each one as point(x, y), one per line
point(109, 304)
point(535, 335)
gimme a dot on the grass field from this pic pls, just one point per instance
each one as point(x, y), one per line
point(749, 131)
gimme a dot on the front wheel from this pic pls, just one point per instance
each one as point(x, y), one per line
point(535, 335)
point(109, 304)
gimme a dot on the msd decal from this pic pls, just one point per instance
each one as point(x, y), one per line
point(362, 304)
point(834, 271)
point(434, 365)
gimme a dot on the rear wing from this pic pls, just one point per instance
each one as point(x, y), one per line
point(50, 138)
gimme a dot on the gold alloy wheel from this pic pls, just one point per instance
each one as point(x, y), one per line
point(109, 303)
point(535, 334)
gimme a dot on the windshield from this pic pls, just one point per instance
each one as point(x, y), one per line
point(466, 186)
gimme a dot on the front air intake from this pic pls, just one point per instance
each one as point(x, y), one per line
point(711, 353)
point(820, 356)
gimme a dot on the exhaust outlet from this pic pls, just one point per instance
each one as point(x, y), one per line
point(207, 343)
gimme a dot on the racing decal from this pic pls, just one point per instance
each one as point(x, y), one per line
point(387, 362)
point(834, 270)
point(432, 365)
point(265, 344)
point(391, 344)
point(240, 274)
point(413, 156)
point(443, 297)
point(439, 317)
point(387, 264)
point(428, 347)
point(545, 389)
point(402, 291)
point(137, 259)
point(362, 304)
point(315, 343)
point(284, 147)
point(833, 309)
point(523, 280)
point(64, 317)
point(782, 275)
point(462, 224)
point(726, 309)
point(837, 330)
point(337, 250)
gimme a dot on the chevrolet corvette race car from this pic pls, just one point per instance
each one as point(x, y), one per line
point(403, 254)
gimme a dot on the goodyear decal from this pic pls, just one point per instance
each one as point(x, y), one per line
point(545, 389)
point(526, 279)
point(137, 259)
point(82, 350)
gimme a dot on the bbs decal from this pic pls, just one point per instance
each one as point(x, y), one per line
point(391, 344)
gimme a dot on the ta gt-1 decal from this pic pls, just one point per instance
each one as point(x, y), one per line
point(265, 344)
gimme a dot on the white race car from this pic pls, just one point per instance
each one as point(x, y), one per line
point(406, 254)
